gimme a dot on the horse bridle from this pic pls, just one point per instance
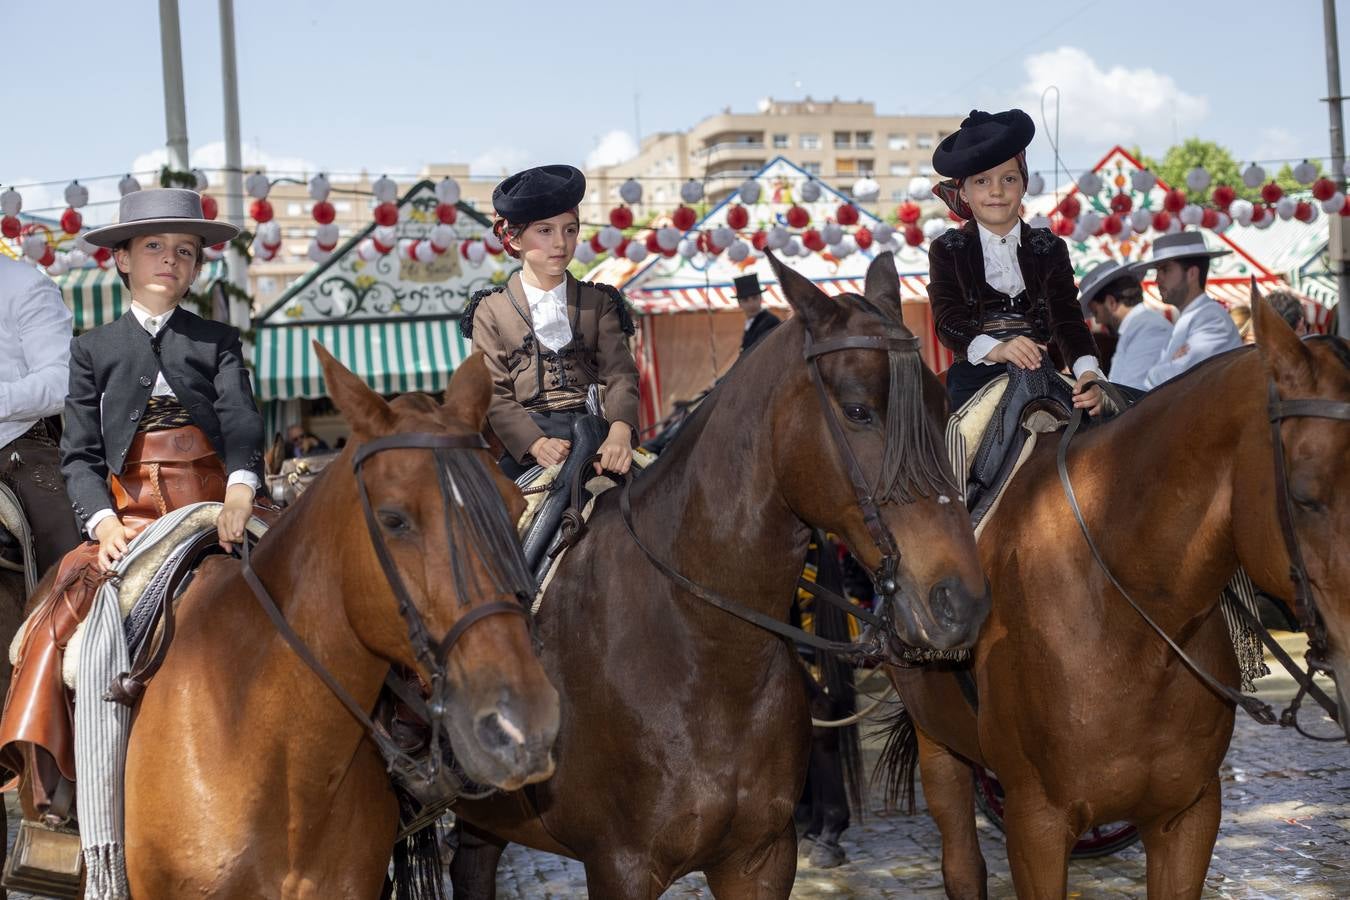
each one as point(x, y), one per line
point(432, 654)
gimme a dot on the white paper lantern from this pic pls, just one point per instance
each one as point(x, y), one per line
point(738, 251)
point(327, 235)
point(892, 246)
point(1253, 176)
point(1090, 183)
point(386, 234)
point(77, 195)
point(1267, 221)
point(777, 238)
point(76, 258)
point(317, 253)
point(1191, 214)
point(1035, 184)
point(366, 250)
point(84, 246)
point(1142, 180)
point(1091, 221)
point(631, 191)
point(1126, 229)
point(405, 248)
point(1141, 220)
point(794, 248)
point(443, 237)
point(722, 237)
point(935, 228)
point(319, 188)
point(257, 186)
point(1197, 179)
point(1315, 214)
point(1241, 211)
point(59, 265)
point(129, 185)
point(1174, 227)
point(845, 247)
point(264, 253)
point(1285, 207)
point(585, 253)
point(831, 233)
point(688, 248)
point(425, 253)
point(1040, 220)
point(1334, 203)
point(883, 233)
point(447, 191)
point(810, 191)
point(1305, 172)
point(610, 237)
point(866, 190)
point(1223, 223)
point(636, 251)
point(269, 233)
point(668, 238)
point(691, 191)
point(10, 202)
point(492, 242)
point(477, 253)
point(920, 188)
point(384, 189)
point(1080, 232)
point(749, 191)
point(212, 254)
point(202, 182)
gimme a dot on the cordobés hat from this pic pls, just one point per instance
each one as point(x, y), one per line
point(161, 211)
point(1098, 277)
point(747, 286)
point(539, 193)
point(983, 141)
point(1179, 246)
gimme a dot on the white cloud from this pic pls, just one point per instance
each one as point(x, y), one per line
point(1277, 143)
point(613, 147)
point(1100, 106)
point(212, 156)
point(496, 162)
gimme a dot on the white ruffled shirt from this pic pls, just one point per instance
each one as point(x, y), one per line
point(548, 312)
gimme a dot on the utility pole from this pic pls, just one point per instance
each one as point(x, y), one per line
point(237, 262)
point(175, 107)
point(1339, 250)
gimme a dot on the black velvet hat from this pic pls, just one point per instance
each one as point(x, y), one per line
point(983, 141)
point(539, 193)
point(747, 286)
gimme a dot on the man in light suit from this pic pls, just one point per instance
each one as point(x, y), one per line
point(1204, 328)
point(1111, 294)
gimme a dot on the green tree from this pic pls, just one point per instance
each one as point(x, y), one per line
point(1192, 152)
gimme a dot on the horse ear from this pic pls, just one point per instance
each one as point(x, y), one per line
point(366, 411)
point(882, 287)
point(1286, 357)
point(808, 301)
point(470, 392)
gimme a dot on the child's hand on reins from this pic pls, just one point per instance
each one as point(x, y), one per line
point(112, 542)
point(234, 515)
point(616, 453)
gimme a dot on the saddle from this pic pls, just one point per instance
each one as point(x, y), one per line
point(541, 538)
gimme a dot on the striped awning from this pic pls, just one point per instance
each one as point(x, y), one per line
point(97, 296)
point(723, 296)
point(391, 356)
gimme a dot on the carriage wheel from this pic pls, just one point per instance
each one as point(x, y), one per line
point(1101, 840)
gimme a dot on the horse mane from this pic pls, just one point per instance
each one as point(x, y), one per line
point(1339, 347)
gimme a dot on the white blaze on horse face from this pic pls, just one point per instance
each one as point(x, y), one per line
point(944, 499)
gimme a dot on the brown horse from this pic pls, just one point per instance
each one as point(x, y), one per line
point(245, 775)
point(685, 731)
point(1084, 713)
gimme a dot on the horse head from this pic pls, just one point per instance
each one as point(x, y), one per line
point(860, 452)
point(437, 559)
point(1311, 387)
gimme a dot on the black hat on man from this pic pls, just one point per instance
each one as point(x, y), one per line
point(983, 141)
point(747, 286)
point(539, 193)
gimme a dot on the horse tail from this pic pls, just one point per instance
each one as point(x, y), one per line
point(417, 867)
point(837, 676)
point(899, 758)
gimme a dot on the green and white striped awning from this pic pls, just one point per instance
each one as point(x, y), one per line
point(97, 296)
point(393, 357)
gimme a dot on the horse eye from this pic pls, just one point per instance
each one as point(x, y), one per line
point(392, 521)
point(856, 413)
point(1307, 503)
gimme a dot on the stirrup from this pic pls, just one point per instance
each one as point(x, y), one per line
point(46, 860)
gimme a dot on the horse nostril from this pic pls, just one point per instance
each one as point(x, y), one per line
point(940, 602)
point(497, 733)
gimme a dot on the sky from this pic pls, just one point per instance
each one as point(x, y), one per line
point(346, 86)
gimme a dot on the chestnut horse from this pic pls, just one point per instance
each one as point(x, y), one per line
point(685, 730)
point(1084, 713)
point(246, 777)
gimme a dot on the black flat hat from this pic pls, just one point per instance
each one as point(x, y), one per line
point(539, 193)
point(983, 141)
point(747, 286)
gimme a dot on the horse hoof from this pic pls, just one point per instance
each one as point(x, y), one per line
point(827, 855)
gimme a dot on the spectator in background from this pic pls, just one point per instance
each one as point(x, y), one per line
point(1111, 294)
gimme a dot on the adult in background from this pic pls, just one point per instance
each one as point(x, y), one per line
point(1204, 328)
point(1111, 294)
point(758, 320)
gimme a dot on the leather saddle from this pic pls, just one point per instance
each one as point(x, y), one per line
point(542, 538)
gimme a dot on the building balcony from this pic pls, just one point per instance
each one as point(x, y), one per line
point(729, 148)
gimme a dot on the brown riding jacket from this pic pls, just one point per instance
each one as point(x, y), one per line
point(525, 374)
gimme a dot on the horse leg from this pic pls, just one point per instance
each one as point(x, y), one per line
point(949, 789)
point(829, 801)
point(473, 871)
point(621, 875)
point(1178, 850)
point(1039, 841)
point(768, 878)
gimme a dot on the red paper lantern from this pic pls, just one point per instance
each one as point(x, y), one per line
point(1303, 211)
point(324, 212)
point(11, 227)
point(210, 209)
point(261, 211)
point(48, 257)
point(652, 245)
point(863, 238)
point(1069, 207)
point(1271, 192)
point(1323, 188)
point(1209, 218)
point(683, 218)
point(446, 213)
point(1259, 214)
point(1111, 224)
point(598, 247)
point(1224, 196)
point(1174, 201)
point(737, 217)
point(913, 235)
point(621, 217)
point(798, 217)
point(760, 240)
point(908, 212)
point(1345, 209)
point(220, 248)
point(1062, 226)
point(1161, 221)
point(847, 214)
point(1121, 203)
point(812, 240)
point(102, 255)
point(386, 214)
point(620, 250)
point(71, 221)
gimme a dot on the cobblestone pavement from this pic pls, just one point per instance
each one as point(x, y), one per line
point(1285, 833)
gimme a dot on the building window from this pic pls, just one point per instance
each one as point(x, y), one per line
point(780, 142)
point(901, 169)
point(900, 194)
point(867, 167)
point(811, 168)
point(342, 206)
point(925, 142)
point(846, 167)
point(897, 142)
point(863, 139)
point(809, 141)
point(925, 169)
point(295, 209)
point(842, 139)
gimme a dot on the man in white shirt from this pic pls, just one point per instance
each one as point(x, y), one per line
point(1111, 294)
point(35, 329)
point(1204, 328)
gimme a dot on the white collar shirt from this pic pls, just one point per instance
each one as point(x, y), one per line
point(548, 313)
point(35, 328)
point(152, 323)
point(1001, 269)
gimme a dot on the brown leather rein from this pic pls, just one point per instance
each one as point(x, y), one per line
point(1306, 608)
point(431, 653)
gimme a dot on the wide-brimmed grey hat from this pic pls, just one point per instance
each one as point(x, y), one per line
point(1098, 277)
point(1179, 246)
point(161, 211)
